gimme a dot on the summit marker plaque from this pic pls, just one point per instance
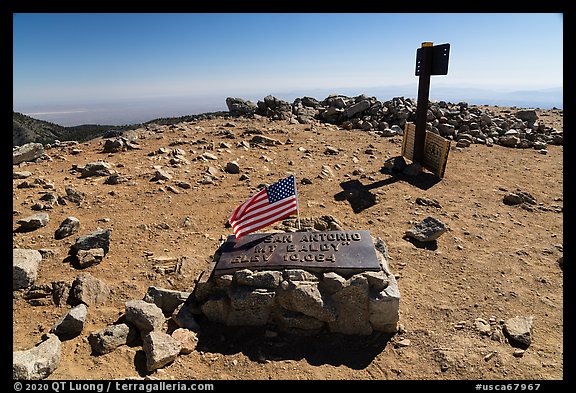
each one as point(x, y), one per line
point(340, 251)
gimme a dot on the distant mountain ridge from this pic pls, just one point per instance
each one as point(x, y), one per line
point(26, 129)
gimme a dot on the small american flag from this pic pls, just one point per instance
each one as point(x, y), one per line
point(271, 204)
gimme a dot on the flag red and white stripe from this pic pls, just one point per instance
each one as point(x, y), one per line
point(271, 204)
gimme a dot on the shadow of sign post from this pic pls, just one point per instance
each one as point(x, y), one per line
point(361, 198)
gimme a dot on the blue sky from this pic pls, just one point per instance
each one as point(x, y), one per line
point(74, 57)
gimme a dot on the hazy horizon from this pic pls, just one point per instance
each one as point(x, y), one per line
point(118, 112)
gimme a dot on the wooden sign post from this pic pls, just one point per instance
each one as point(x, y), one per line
point(430, 60)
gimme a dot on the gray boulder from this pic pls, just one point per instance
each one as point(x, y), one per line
point(73, 195)
point(111, 337)
point(68, 227)
point(184, 318)
point(25, 263)
point(71, 324)
point(21, 174)
point(89, 257)
point(240, 107)
point(38, 362)
point(351, 304)
point(383, 308)
point(274, 108)
point(161, 349)
point(249, 307)
point(161, 174)
point(306, 298)
point(145, 316)
point(99, 238)
point(355, 109)
point(27, 152)
point(515, 198)
point(34, 221)
point(509, 140)
point(89, 290)
point(232, 167)
point(113, 145)
point(528, 115)
point(98, 168)
point(267, 279)
point(166, 299)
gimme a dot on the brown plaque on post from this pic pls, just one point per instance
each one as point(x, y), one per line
point(436, 150)
point(340, 251)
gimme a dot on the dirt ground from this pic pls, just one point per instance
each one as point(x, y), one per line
point(495, 261)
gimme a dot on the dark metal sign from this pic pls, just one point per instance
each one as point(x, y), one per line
point(440, 55)
point(339, 251)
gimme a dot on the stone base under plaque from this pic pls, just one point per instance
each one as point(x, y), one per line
point(302, 302)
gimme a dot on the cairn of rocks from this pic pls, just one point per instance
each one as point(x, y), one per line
point(299, 301)
point(458, 122)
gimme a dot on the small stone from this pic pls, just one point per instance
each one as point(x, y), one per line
point(490, 356)
point(519, 329)
point(161, 174)
point(427, 230)
point(208, 156)
point(482, 326)
point(187, 339)
point(402, 343)
point(518, 353)
point(232, 167)
point(68, 227)
point(331, 150)
point(90, 257)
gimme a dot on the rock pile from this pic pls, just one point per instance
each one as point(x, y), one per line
point(298, 301)
point(458, 122)
point(144, 323)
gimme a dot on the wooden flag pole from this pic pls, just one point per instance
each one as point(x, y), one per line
point(297, 203)
point(299, 227)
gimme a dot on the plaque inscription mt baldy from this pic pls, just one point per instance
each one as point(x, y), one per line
point(344, 251)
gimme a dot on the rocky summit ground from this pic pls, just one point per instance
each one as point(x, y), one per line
point(495, 262)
